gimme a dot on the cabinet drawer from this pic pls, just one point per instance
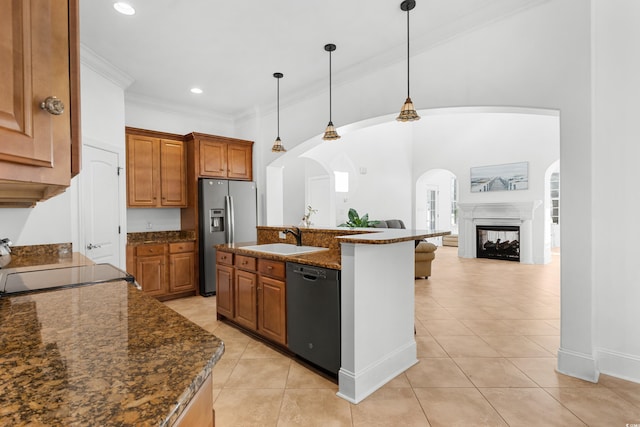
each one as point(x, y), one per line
point(245, 262)
point(224, 258)
point(146, 250)
point(180, 247)
point(271, 268)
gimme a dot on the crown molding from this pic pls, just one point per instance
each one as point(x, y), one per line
point(103, 67)
point(144, 101)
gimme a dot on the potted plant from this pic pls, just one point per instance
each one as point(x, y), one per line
point(356, 220)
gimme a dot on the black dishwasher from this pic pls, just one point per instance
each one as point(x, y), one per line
point(313, 314)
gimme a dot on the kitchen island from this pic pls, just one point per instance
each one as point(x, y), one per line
point(102, 354)
point(376, 297)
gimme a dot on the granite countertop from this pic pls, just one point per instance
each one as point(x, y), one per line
point(327, 258)
point(44, 260)
point(103, 354)
point(144, 238)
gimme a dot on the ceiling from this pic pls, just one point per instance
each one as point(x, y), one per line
point(231, 49)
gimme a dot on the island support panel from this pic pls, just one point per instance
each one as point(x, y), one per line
point(377, 309)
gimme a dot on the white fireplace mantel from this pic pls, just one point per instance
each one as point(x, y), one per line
point(514, 213)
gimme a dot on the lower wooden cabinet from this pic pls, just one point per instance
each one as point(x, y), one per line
point(164, 270)
point(151, 271)
point(252, 294)
point(246, 292)
point(182, 264)
point(225, 291)
point(199, 411)
point(272, 312)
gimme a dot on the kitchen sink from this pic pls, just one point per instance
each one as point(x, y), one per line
point(284, 249)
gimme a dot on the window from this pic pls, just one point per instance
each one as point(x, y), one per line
point(555, 197)
point(454, 202)
point(431, 209)
point(342, 181)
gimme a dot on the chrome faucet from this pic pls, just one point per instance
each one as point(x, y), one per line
point(297, 234)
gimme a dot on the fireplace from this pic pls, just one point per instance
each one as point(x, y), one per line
point(498, 242)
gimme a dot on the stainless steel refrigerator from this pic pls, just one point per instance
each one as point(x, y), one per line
point(227, 215)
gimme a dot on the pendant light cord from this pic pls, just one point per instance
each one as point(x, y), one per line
point(407, 53)
point(278, 109)
point(330, 87)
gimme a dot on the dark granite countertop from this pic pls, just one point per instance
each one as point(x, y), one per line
point(327, 259)
point(103, 354)
point(143, 238)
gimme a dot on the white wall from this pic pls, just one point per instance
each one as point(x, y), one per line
point(49, 222)
point(616, 229)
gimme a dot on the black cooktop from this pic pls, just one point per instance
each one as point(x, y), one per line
point(63, 277)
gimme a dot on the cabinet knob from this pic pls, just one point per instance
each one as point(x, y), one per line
point(52, 105)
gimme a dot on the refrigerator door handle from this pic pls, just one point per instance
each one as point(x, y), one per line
point(231, 218)
point(227, 219)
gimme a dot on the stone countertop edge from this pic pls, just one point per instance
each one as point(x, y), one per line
point(185, 398)
point(388, 236)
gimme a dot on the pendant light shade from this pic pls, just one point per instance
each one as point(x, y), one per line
point(330, 133)
point(408, 111)
point(277, 145)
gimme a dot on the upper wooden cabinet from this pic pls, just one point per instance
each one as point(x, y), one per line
point(39, 100)
point(221, 157)
point(156, 170)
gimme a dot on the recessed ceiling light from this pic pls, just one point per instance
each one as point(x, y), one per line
point(124, 8)
point(196, 90)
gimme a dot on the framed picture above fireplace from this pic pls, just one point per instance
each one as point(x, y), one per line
point(506, 177)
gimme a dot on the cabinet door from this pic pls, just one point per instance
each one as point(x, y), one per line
point(272, 310)
point(224, 290)
point(143, 172)
point(213, 159)
point(239, 161)
point(245, 304)
point(150, 274)
point(35, 53)
point(173, 172)
point(36, 146)
point(182, 272)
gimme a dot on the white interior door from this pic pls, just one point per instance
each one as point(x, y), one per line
point(319, 198)
point(100, 205)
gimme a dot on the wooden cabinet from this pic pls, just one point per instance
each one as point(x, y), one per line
point(272, 309)
point(225, 279)
point(164, 270)
point(39, 60)
point(220, 157)
point(252, 294)
point(151, 269)
point(199, 412)
point(182, 267)
point(156, 170)
point(246, 288)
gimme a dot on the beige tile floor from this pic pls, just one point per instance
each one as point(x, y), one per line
point(487, 333)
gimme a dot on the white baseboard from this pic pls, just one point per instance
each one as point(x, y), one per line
point(355, 387)
point(577, 365)
point(620, 365)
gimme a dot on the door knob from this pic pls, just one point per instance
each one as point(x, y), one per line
point(92, 246)
point(52, 105)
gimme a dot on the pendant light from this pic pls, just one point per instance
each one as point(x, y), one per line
point(330, 133)
point(408, 112)
point(277, 145)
